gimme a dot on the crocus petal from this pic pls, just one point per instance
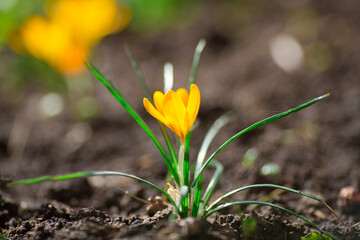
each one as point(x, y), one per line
point(176, 130)
point(194, 104)
point(153, 112)
point(175, 112)
point(183, 94)
point(159, 101)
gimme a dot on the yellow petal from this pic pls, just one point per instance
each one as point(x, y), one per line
point(176, 130)
point(175, 112)
point(159, 101)
point(183, 94)
point(153, 112)
point(194, 104)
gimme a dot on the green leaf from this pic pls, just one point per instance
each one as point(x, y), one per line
point(89, 174)
point(138, 73)
point(144, 86)
point(123, 101)
point(217, 201)
point(213, 182)
point(187, 159)
point(184, 200)
point(249, 158)
point(197, 197)
point(248, 225)
point(256, 125)
point(230, 204)
point(2, 237)
point(195, 64)
point(210, 135)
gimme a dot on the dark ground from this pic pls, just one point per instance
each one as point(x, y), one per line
point(317, 149)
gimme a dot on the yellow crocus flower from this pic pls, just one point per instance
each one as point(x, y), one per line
point(177, 110)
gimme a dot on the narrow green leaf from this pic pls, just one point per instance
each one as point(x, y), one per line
point(122, 100)
point(230, 204)
point(265, 185)
point(256, 125)
point(89, 174)
point(149, 96)
point(2, 237)
point(184, 199)
point(197, 197)
point(213, 182)
point(217, 201)
point(195, 64)
point(249, 158)
point(187, 159)
point(210, 135)
point(138, 72)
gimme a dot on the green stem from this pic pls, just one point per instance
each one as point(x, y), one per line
point(198, 50)
point(197, 197)
point(187, 159)
point(184, 182)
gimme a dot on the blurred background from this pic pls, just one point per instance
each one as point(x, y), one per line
point(262, 57)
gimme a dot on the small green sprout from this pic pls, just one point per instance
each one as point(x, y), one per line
point(248, 226)
point(249, 158)
point(2, 237)
point(178, 110)
point(315, 236)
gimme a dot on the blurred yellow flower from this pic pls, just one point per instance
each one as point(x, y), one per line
point(47, 41)
point(89, 20)
point(177, 110)
point(72, 27)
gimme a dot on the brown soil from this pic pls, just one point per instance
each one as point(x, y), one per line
point(317, 149)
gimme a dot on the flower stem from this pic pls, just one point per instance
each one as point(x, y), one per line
point(181, 162)
point(184, 183)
